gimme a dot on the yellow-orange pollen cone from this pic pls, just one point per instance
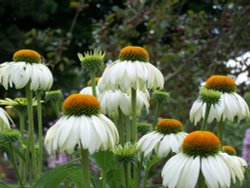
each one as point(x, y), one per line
point(81, 104)
point(229, 150)
point(168, 126)
point(223, 84)
point(29, 56)
point(201, 143)
point(134, 53)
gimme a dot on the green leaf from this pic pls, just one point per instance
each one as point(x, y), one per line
point(105, 159)
point(15, 150)
point(4, 185)
point(53, 178)
point(152, 162)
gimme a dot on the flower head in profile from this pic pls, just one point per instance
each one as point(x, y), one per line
point(166, 139)
point(131, 70)
point(26, 68)
point(83, 124)
point(55, 95)
point(201, 156)
point(237, 164)
point(19, 103)
point(4, 120)
point(10, 135)
point(230, 105)
point(122, 101)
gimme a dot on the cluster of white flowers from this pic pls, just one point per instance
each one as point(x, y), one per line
point(195, 155)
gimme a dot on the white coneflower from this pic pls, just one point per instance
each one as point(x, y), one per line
point(236, 163)
point(26, 68)
point(200, 157)
point(132, 70)
point(123, 101)
point(166, 139)
point(231, 104)
point(83, 124)
point(4, 120)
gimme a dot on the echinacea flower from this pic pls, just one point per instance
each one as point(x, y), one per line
point(26, 68)
point(4, 120)
point(236, 163)
point(111, 100)
point(231, 104)
point(132, 70)
point(166, 139)
point(201, 156)
point(83, 124)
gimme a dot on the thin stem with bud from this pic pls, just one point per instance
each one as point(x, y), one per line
point(204, 122)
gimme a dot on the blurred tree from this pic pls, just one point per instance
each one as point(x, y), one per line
point(187, 40)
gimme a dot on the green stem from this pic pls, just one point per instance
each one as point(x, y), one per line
point(56, 108)
point(126, 172)
point(128, 130)
point(157, 112)
point(104, 177)
point(93, 84)
point(134, 125)
point(85, 168)
point(138, 176)
point(204, 122)
point(201, 182)
point(15, 166)
point(31, 143)
point(40, 131)
point(219, 130)
point(121, 126)
point(145, 178)
point(22, 164)
point(21, 122)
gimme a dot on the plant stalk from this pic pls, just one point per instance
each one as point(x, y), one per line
point(204, 122)
point(15, 166)
point(134, 124)
point(85, 167)
point(219, 130)
point(93, 84)
point(126, 172)
point(22, 164)
point(40, 131)
point(157, 112)
point(31, 142)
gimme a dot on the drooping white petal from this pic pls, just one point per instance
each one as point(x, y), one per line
point(4, 120)
point(190, 173)
point(196, 112)
point(172, 170)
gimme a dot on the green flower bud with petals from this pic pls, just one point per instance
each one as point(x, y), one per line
point(55, 95)
point(126, 154)
point(160, 96)
point(10, 135)
point(92, 61)
point(209, 96)
point(143, 128)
